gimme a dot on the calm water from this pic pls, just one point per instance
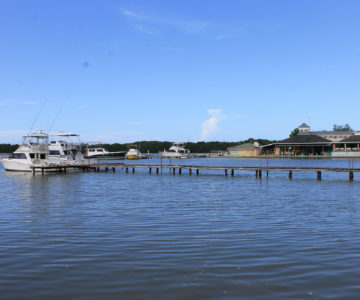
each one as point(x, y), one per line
point(140, 236)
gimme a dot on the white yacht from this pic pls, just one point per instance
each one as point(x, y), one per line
point(103, 153)
point(65, 147)
point(34, 150)
point(133, 153)
point(177, 150)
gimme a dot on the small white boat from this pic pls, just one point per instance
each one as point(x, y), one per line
point(177, 150)
point(103, 153)
point(34, 150)
point(133, 153)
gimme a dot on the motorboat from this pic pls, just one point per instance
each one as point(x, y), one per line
point(103, 153)
point(133, 153)
point(66, 147)
point(177, 150)
point(34, 150)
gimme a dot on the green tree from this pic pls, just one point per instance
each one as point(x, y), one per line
point(295, 132)
point(345, 127)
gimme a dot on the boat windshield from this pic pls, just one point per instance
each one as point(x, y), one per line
point(18, 156)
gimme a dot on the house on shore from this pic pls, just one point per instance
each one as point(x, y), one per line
point(332, 135)
point(299, 145)
point(246, 149)
point(324, 143)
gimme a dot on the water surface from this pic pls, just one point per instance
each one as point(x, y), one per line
point(136, 236)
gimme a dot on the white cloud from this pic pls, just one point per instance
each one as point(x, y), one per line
point(29, 102)
point(150, 24)
point(210, 127)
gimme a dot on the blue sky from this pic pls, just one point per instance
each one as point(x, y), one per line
point(123, 71)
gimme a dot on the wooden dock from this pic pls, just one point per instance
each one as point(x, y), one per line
point(192, 169)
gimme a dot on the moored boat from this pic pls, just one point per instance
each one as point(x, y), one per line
point(133, 153)
point(103, 153)
point(177, 150)
point(34, 150)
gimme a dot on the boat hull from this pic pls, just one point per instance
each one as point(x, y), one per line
point(16, 165)
point(132, 157)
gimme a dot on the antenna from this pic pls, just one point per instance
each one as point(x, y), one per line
point(53, 123)
point(37, 117)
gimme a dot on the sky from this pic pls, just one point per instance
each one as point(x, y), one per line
point(180, 70)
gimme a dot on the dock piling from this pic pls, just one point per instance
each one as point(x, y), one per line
point(290, 175)
point(351, 176)
point(318, 175)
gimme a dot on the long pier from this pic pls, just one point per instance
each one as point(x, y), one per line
point(192, 169)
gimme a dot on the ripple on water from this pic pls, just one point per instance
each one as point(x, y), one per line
point(92, 235)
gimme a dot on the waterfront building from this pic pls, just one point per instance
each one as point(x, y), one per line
point(304, 128)
point(299, 145)
point(246, 149)
point(332, 135)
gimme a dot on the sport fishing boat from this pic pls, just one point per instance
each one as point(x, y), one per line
point(177, 150)
point(66, 147)
point(34, 150)
point(103, 153)
point(133, 153)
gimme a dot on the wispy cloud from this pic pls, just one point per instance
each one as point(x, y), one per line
point(2, 104)
point(156, 23)
point(29, 102)
point(210, 127)
point(151, 24)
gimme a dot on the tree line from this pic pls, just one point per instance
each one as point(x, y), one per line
point(157, 146)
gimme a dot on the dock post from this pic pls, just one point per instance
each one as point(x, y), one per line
point(157, 170)
point(64, 169)
point(173, 171)
point(133, 170)
point(190, 171)
point(197, 171)
point(42, 171)
point(232, 172)
point(149, 170)
point(113, 170)
point(179, 171)
point(318, 175)
point(290, 175)
point(106, 169)
point(226, 172)
point(259, 173)
point(127, 170)
point(33, 171)
point(351, 176)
